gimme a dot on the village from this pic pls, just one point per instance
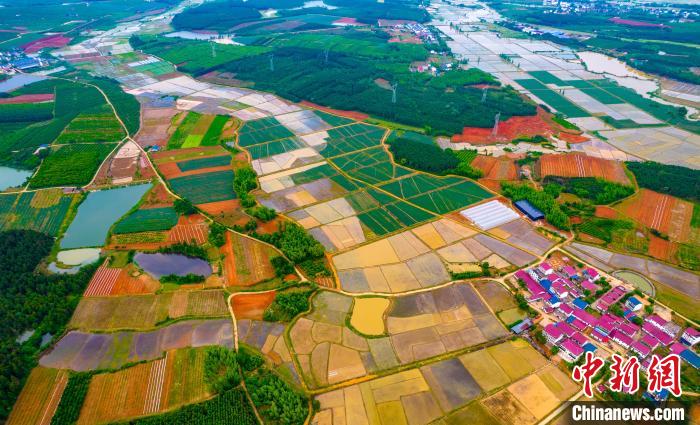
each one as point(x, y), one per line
point(582, 310)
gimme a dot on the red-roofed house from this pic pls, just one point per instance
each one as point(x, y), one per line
point(559, 288)
point(690, 337)
point(650, 341)
point(585, 317)
point(590, 286)
point(569, 271)
point(664, 338)
point(621, 339)
point(579, 338)
point(611, 297)
point(553, 334)
point(564, 327)
point(592, 274)
point(656, 321)
point(629, 329)
point(677, 348)
point(546, 268)
point(578, 324)
point(640, 349)
point(572, 350)
point(566, 309)
point(599, 336)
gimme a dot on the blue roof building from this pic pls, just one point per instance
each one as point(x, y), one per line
point(690, 357)
point(589, 347)
point(578, 302)
point(546, 284)
point(529, 210)
point(522, 326)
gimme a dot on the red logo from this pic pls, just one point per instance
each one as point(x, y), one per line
point(587, 371)
point(625, 375)
point(665, 374)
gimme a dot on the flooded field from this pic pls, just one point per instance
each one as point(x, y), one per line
point(159, 265)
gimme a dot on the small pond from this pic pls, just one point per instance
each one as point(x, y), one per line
point(11, 177)
point(97, 214)
point(158, 265)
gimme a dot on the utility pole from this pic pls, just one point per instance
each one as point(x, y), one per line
point(272, 62)
point(393, 92)
point(483, 94)
point(495, 125)
point(325, 54)
point(213, 49)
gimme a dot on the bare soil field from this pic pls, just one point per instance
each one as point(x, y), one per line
point(246, 261)
point(580, 165)
point(665, 213)
point(251, 306)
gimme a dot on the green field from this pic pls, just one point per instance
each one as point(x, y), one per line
point(70, 165)
point(313, 174)
point(276, 147)
point(379, 221)
point(183, 133)
point(26, 212)
point(205, 188)
point(197, 164)
point(553, 99)
point(333, 120)
point(407, 214)
point(451, 198)
point(92, 128)
point(147, 220)
point(351, 138)
point(261, 131)
point(155, 68)
point(213, 134)
point(417, 184)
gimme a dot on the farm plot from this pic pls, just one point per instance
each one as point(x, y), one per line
point(155, 125)
point(416, 327)
point(553, 98)
point(269, 339)
point(205, 188)
point(307, 121)
point(140, 312)
point(207, 162)
point(581, 165)
point(71, 165)
point(92, 128)
point(370, 166)
point(189, 229)
point(522, 234)
point(39, 398)
point(423, 395)
point(261, 131)
point(416, 258)
point(43, 211)
point(275, 147)
point(81, 351)
point(251, 306)
point(194, 130)
point(351, 138)
point(125, 165)
point(300, 196)
point(667, 214)
point(496, 168)
point(246, 261)
point(147, 220)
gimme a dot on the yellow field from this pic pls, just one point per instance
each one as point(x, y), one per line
point(368, 315)
point(39, 398)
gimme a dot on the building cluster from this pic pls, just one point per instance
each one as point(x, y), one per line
point(15, 60)
point(616, 319)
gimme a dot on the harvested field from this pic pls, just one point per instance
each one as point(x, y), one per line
point(534, 395)
point(133, 282)
point(485, 370)
point(251, 306)
point(581, 165)
point(155, 125)
point(559, 383)
point(496, 296)
point(246, 261)
point(507, 409)
point(189, 229)
point(27, 98)
point(39, 398)
point(82, 351)
point(667, 214)
point(496, 168)
point(102, 282)
point(267, 337)
point(368, 315)
point(604, 211)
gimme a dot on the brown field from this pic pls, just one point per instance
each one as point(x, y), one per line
point(164, 157)
point(189, 228)
point(157, 197)
point(347, 114)
point(496, 296)
point(128, 393)
point(580, 165)
point(155, 125)
point(665, 213)
point(207, 303)
point(129, 284)
point(662, 249)
point(125, 312)
point(534, 395)
point(251, 306)
point(170, 170)
point(501, 168)
point(246, 261)
point(39, 398)
point(507, 409)
point(220, 207)
point(102, 282)
point(603, 211)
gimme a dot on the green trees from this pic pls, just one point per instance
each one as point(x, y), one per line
point(282, 266)
point(540, 200)
point(30, 301)
point(186, 249)
point(421, 153)
point(598, 190)
point(182, 280)
point(72, 399)
point(672, 179)
point(217, 234)
point(276, 402)
point(261, 212)
point(287, 305)
point(184, 207)
point(221, 369)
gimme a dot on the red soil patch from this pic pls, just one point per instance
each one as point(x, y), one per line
point(632, 23)
point(189, 228)
point(246, 261)
point(221, 207)
point(581, 165)
point(347, 21)
point(251, 306)
point(508, 130)
point(170, 170)
point(603, 211)
point(496, 168)
point(572, 138)
point(665, 213)
point(660, 248)
point(102, 282)
point(353, 115)
point(57, 40)
point(130, 285)
point(158, 197)
point(494, 185)
point(269, 227)
point(27, 98)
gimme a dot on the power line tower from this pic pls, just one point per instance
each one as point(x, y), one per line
point(325, 56)
point(393, 92)
point(272, 62)
point(213, 49)
point(494, 133)
point(483, 94)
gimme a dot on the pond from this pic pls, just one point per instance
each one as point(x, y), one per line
point(158, 265)
point(97, 214)
point(619, 71)
point(17, 81)
point(12, 177)
point(635, 279)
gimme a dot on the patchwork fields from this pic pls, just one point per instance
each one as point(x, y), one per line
point(43, 211)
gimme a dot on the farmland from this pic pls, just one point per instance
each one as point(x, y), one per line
point(145, 220)
point(246, 261)
point(577, 165)
point(219, 187)
point(197, 129)
point(71, 165)
point(43, 211)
